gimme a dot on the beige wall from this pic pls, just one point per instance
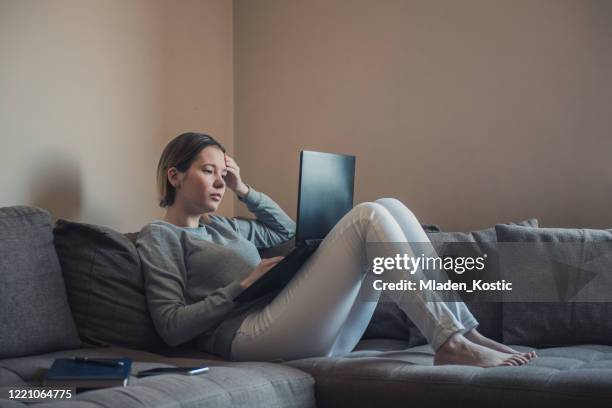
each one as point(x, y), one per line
point(91, 91)
point(471, 112)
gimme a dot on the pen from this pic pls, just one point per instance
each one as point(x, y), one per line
point(196, 371)
point(107, 363)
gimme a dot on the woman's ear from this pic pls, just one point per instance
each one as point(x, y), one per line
point(174, 177)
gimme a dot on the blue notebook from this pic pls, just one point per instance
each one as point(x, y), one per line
point(66, 372)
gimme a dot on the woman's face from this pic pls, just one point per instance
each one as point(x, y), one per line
point(203, 184)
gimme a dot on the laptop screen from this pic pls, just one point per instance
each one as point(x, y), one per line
point(325, 192)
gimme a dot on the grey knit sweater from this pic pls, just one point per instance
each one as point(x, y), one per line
point(192, 274)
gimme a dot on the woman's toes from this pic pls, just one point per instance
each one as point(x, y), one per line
point(525, 357)
point(530, 355)
point(522, 360)
point(511, 362)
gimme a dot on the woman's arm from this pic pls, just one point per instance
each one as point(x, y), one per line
point(164, 270)
point(271, 227)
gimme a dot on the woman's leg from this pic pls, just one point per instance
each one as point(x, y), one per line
point(317, 313)
point(419, 241)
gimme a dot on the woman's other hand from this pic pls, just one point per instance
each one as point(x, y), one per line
point(264, 266)
point(233, 181)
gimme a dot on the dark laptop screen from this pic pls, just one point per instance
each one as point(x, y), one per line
point(325, 192)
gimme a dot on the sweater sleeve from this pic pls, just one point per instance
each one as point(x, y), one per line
point(271, 227)
point(163, 265)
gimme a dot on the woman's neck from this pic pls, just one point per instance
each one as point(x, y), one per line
point(181, 219)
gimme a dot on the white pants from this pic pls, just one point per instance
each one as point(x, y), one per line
point(321, 311)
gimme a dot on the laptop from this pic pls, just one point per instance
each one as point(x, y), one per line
point(325, 195)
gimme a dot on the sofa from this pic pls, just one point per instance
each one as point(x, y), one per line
point(76, 289)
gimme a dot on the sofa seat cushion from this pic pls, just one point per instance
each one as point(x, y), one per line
point(244, 384)
point(383, 372)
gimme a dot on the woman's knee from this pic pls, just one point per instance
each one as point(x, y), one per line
point(368, 210)
point(391, 203)
point(388, 200)
point(371, 215)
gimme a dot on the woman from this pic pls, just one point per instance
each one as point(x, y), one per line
point(194, 269)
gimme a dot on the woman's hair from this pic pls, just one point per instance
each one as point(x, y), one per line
point(180, 152)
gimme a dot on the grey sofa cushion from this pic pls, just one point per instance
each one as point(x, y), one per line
point(557, 323)
point(386, 373)
point(105, 286)
point(34, 312)
point(389, 321)
point(431, 228)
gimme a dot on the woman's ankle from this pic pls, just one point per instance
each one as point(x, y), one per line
point(454, 342)
point(472, 334)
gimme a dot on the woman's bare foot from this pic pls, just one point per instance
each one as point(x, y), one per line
point(475, 337)
point(459, 350)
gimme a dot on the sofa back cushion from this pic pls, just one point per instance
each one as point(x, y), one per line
point(105, 286)
point(34, 313)
point(558, 323)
